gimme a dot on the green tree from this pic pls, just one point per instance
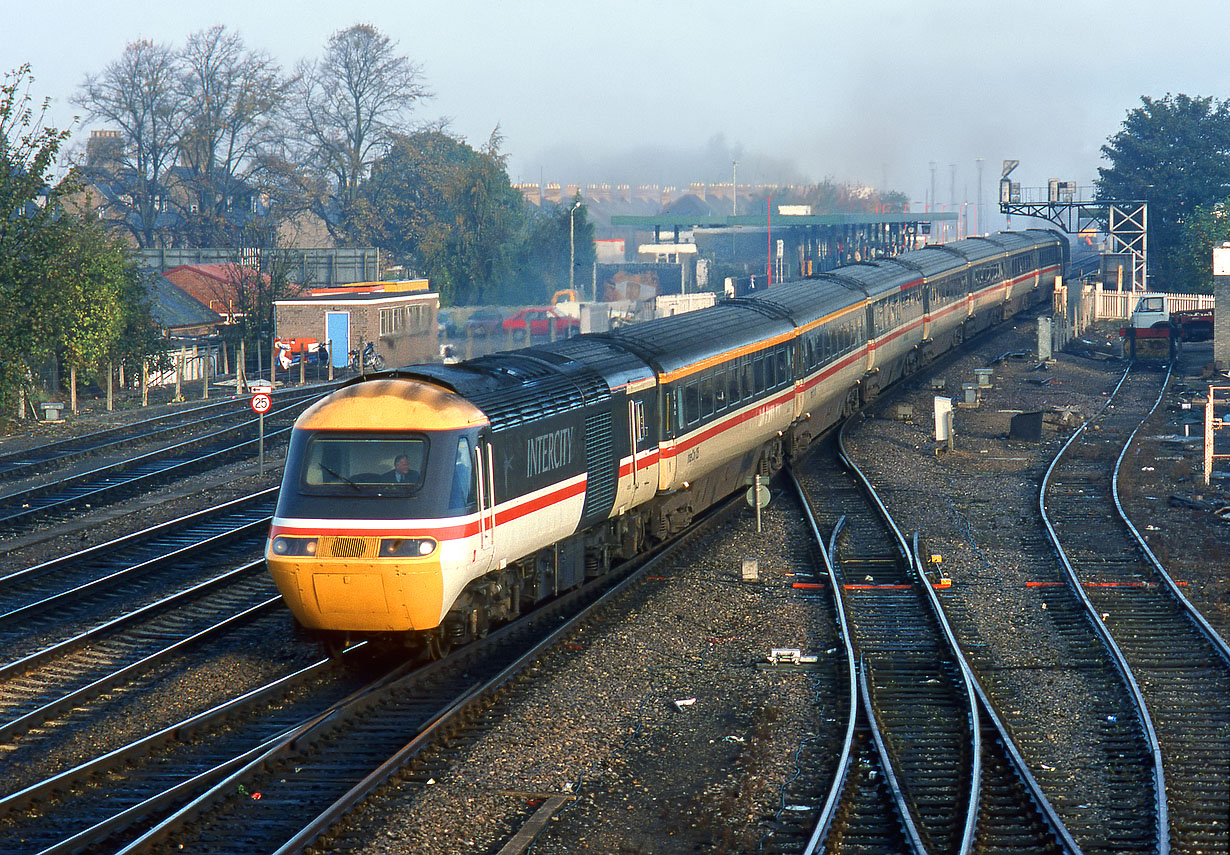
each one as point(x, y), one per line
point(28, 227)
point(68, 289)
point(547, 248)
point(445, 210)
point(1206, 227)
point(101, 314)
point(473, 245)
point(1174, 154)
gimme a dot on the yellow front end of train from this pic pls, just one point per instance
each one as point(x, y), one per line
point(376, 528)
point(360, 593)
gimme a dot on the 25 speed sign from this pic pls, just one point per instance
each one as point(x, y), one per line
point(261, 402)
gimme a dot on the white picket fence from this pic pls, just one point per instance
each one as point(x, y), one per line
point(1118, 305)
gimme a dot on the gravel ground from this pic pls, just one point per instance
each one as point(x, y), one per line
point(600, 721)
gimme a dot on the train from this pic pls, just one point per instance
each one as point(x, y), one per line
point(424, 505)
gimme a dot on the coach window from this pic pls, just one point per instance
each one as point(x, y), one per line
point(706, 397)
point(720, 401)
point(783, 366)
point(749, 380)
point(691, 403)
point(758, 373)
point(733, 395)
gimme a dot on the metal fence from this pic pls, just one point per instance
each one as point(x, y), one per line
point(317, 267)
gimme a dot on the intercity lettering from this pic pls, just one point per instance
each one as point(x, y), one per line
point(549, 451)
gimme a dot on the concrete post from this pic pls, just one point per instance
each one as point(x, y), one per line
point(1221, 305)
point(1045, 339)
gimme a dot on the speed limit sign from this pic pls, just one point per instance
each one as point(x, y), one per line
point(261, 402)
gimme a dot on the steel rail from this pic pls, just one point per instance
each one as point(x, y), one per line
point(975, 732)
point(825, 819)
point(1116, 654)
point(1218, 643)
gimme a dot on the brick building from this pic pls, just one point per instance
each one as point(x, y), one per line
point(212, 284)
point(401, 323)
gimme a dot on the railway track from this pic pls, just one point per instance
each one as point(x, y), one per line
point(318, 773)
point(64, 497)
point(924, 739)
point(309, 754)
point(105, 801)
point(1178, 667)
point(24, 463)
point(58, 599)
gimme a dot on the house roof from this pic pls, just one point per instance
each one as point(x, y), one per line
point(173, 308)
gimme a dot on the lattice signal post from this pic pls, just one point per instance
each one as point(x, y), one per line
point(1125, 222)
point(1213, 423)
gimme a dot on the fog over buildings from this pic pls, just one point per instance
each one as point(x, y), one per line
point(671, 93)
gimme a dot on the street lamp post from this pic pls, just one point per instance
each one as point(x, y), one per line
point(572, 245)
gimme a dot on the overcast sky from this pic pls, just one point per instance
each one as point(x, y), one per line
point(669, 92)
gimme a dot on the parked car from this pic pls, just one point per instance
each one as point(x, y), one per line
point(484, 322)
point(539, 321)
point(445, 325)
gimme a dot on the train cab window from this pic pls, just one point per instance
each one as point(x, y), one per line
point(385, 464)
point(461, 495)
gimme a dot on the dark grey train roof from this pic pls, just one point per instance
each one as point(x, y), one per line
point(676, 342)
point(613, 362)
point(513, 387)
point(805, 300)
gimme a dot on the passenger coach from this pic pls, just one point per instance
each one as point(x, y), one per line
point(535, 468)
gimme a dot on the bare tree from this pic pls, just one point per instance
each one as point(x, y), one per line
point(232, 98)
point(352, 102)
point(138, 94)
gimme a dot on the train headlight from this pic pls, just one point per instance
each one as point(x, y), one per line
point(406, 547)
point(293, 546)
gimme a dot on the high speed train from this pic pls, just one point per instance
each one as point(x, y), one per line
point(424, 504)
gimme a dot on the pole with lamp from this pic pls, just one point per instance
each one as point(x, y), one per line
point(572, 245)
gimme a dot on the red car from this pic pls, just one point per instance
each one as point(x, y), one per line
point(538, 321)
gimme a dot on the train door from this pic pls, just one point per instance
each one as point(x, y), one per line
point(484, 472)
point(670, 408)
point(644, 447)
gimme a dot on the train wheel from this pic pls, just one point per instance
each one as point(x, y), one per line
point(438, 644)
point(333, 644)
point(850, 404)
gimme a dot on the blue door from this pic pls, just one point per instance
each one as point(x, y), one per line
point(337, 329)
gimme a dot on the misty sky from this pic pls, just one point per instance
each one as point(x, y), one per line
point(668, 92)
